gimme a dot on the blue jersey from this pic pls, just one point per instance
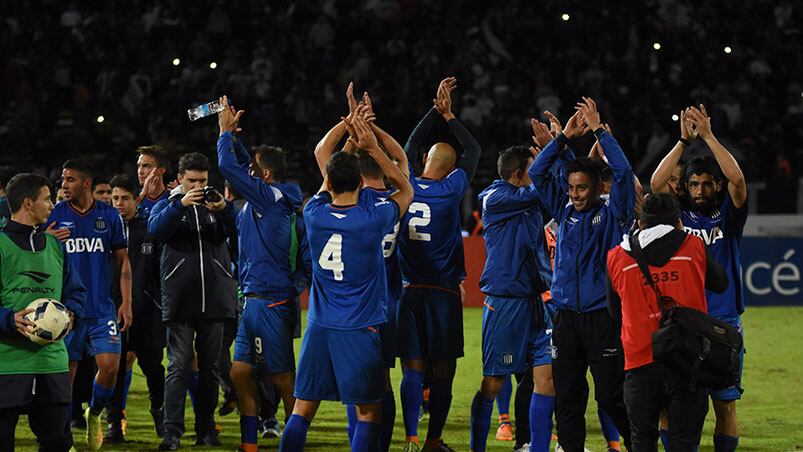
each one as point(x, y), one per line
point(722, 233)
point(349, 287)
point(516, 262)
point(430, 239)
point(144, 207)
point(93, 236)
point(392, 266)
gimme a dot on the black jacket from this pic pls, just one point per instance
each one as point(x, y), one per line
point(195, 262)
point(143, 252)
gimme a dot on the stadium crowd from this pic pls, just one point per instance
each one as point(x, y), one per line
point(66, 64)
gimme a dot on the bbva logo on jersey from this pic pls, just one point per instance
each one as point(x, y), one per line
point(708, 237)
point(84, 245)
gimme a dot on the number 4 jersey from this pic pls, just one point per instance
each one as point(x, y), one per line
point(94, 234)
point(349, 286)
point(430, 239)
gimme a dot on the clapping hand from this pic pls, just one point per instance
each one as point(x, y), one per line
point(687, 130)
point(701, 121)
point(575, 126)
point(588, 108)
point(443, 99)
point(228, 117)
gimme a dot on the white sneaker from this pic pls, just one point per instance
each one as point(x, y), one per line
point(524, 448)
point(560, 449)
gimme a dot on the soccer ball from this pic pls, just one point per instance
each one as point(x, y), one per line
point(51, 319)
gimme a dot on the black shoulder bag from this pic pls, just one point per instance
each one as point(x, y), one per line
point(692, 342)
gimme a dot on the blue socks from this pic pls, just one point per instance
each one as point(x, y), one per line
point(664, 440)
point(126, 386)
point(608, 429)
point(387, 422)
point(365, 437)
point(541, 407)
point(100, 397)
point(351, 421)
point(412, 393)
point(725, 443)
point(503, 398)
point(481, 409)
point(192, 386)
point(248, 430)
point(294, 437)
point(440, 400)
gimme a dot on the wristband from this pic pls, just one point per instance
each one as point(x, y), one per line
point(562, 139)
point(684, 141)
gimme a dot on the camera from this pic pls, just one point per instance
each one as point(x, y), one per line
point(211, 195)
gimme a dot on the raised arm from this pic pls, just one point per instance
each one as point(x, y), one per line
point(366, 140)
point(470, 157)
point(659, 179)
point(623, 188)
point(326, 147)
point(737, 187)
point(387, 141)
point(419, 134)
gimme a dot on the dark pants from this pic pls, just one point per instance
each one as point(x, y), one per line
point(268, 398)
point(208, 338)
point(650, 389)
point(584, 340)
point(45, 399)
point(150, 361)
point(224, 361)
point(524, 393)
point(82, 385)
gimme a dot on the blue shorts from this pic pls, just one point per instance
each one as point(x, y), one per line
point(265, 335)
point(733, 392)
point(514, 336)
point(341, 365)
point(92, 337)
point(430, 324)
point(387, 333)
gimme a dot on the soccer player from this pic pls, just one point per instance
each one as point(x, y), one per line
point(145, 340)
point(341, 356)
point(35, 378)
point(266, 234)
point(101, 190)
point(95, 238)
point(431, 252)
point(151, 167)
point(720, 223)
point(584, 333)
point(374, 190)
point(512, 281)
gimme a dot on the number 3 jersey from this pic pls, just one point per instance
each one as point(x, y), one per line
point(349, 286)
point(430, 239)
point(94, 234)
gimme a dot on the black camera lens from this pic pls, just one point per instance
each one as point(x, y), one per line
point(211, 195)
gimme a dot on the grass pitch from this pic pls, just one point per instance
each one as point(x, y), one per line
point(770, 412)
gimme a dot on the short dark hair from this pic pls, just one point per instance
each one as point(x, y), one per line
point(511, 159)
point(273, 158)
point(82, 166)
point(194, 161)
point(25, 185)
point(368, 166)
point(97, 180)
point(124, 182)
point(587, 166)
point(660, 208)
point(6, 173)
point(343, 171)
point(703, 165)
point(157, 152)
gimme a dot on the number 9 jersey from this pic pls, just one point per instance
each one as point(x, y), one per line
point(430, 239)
point(349, 285)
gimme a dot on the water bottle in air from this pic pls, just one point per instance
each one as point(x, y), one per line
point(204, 110)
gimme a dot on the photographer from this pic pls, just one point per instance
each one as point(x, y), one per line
point(198, 293)
point(681, 268)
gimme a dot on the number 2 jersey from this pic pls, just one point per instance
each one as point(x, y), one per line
point(349, 285)
point(94, 234)
point(430, 239)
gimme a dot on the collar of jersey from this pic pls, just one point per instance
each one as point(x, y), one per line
point(90, 209)
point(339, 207)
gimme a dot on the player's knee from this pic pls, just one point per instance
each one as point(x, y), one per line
point(542, 377)
point(369, 412)
point(130, 358)
point(240, 371)
point(725, 409)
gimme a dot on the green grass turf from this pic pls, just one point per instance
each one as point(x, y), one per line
point(769, 414)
